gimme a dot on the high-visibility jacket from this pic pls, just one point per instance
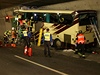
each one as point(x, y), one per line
point(80, 39)
point(13, 34)
point(21, 22)
point(47, 36)
point(25, 33)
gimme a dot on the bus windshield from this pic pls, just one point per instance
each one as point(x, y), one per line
point(85, 18)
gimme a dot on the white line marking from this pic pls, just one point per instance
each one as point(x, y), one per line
point(62, 73)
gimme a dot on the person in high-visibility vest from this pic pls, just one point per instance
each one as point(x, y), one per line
point(25, 37)
point(6, 40)
point(80, 41)
point(31, 21)
point(13, 35)
point(47, 39)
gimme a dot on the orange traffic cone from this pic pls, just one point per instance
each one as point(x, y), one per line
point(25, 50)
point(29, 51)
point(14, 45)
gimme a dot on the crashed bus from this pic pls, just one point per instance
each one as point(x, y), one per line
point(63, 24)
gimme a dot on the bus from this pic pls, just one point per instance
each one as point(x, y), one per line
point(64, 25)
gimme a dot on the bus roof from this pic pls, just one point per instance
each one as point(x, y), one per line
point(45, 11)
point(86, 11)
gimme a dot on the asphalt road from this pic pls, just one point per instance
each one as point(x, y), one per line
point(14, 62)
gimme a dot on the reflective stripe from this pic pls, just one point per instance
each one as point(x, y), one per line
point(81, 41)
point(47, 36)
point(81, 36)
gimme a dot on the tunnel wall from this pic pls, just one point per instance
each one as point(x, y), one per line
point(3, 24)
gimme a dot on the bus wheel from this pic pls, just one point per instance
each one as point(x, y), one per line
point(57, 44)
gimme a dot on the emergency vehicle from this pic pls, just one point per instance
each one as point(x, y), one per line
point(63, 24)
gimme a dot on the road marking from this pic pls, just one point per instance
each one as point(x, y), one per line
point(62, 73)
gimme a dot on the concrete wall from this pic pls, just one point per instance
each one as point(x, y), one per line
point(3, 24)
point(75, 5)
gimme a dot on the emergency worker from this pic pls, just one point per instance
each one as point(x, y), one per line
point(5, 39)
point(25, 37)
point(47, 39)
point(26, 22)
point(31, 21)
point(13, 36)
point(80, 42)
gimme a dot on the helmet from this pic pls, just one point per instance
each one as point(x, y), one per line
point(13, 28)
point(80, 31)
point(31, 17)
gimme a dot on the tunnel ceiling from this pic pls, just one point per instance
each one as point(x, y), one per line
point(36, 3)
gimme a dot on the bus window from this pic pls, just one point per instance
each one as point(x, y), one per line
point(54, 18)
point(39, 16)
point(84, 19)
point(28, 15)
point(65, 19)
point(47, 17)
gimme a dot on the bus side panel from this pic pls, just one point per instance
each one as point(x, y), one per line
point(89, 35)
point(68, 36)
point(72, 31)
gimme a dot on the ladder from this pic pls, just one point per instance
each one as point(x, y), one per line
point(96, 32)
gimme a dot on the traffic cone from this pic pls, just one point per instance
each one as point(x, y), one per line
point(7, 45)
point(25, 50)
point(14, 45)
point(30, 51)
